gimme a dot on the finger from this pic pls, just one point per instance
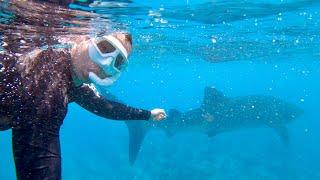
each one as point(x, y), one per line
point(160, 117)
point(163, 117)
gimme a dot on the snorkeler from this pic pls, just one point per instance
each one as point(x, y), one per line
point(35, 90)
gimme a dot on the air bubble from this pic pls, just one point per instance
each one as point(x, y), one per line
point(213, 40)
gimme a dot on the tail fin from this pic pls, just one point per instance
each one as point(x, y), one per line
point(136, 135)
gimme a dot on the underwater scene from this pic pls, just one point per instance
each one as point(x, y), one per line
point(239, 81)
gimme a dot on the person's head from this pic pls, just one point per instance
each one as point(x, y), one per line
point(100, 60)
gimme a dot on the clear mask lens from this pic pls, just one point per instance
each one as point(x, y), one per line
point(107, 49)
point(120, 63)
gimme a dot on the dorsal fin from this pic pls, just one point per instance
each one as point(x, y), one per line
point(212, 97)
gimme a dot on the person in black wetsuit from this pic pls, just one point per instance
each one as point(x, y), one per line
point(36, 88)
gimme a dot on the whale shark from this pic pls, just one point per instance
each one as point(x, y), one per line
point(218, 114)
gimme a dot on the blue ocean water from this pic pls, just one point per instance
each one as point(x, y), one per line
point(180, 47)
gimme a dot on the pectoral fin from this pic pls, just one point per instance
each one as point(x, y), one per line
point(282, 131)
point(169, 133)
point(211, 133)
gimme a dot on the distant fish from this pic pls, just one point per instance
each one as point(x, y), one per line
point(219, 114)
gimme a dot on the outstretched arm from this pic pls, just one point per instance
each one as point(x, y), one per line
point(88, 99)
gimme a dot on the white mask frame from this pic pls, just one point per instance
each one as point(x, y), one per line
point(107, 61)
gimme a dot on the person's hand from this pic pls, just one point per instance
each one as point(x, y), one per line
point(158, 114)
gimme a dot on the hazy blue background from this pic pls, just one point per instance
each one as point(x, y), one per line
point(241, 48)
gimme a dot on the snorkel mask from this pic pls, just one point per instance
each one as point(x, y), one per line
point(109, 54)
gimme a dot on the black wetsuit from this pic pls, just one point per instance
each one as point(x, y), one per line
point(67, 2)
point(35, 95)
point(59, 2)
